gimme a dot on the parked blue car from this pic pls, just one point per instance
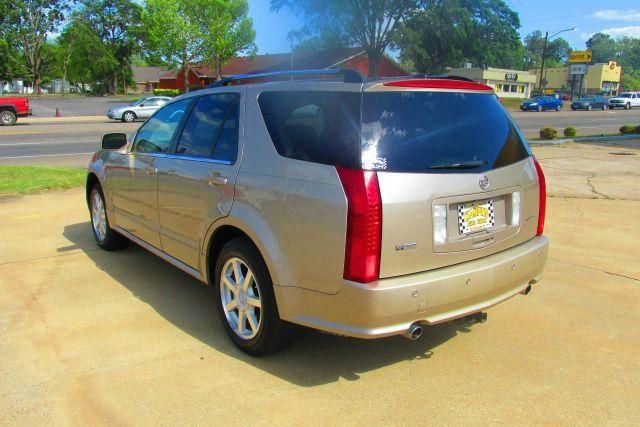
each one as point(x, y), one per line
point(541, 103)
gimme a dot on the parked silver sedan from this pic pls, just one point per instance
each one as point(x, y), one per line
point(141, 109)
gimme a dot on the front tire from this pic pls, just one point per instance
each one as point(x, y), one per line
point(106, 237)
point(7, 118)
point(539, 108)
point(246, 302)
point(627, 106)
point(128, 116)
point(589, 108)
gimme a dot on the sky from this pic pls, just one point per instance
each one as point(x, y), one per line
point(615, 17)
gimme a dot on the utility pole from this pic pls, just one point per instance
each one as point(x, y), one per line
point(544, 53)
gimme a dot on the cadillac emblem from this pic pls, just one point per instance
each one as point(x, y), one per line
point(484, 182)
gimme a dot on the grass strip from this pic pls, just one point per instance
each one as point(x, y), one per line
point(16, 180)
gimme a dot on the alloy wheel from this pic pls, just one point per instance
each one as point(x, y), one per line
point(241, 298)
point(98, 216)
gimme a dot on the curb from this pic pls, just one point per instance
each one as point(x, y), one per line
point(586, 139)
point(69, 119)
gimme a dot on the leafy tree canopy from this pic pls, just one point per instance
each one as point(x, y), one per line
point(557, 52)
point(448, 33)
point(370, 24)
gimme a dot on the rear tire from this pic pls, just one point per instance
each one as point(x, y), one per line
point(106, 237)
point(589, 108)
point(247, 308)
point(539, 108)
point(604, 107)
point(7, 118)
point(558, 107)
point(129, 116)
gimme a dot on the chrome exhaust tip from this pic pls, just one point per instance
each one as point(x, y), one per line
point(414, 332)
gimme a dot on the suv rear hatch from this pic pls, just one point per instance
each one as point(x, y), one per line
point(457, 181)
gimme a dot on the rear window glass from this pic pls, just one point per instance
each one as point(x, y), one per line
point(437, 132)
point(319, 127)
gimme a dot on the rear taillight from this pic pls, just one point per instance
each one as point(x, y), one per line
point(364, 225)
point(542, 183)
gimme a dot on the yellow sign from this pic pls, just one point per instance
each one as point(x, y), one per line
point(580, 56)
point(549, 91)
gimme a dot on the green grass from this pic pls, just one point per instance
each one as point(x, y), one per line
point(511, 104)
point(34, 179)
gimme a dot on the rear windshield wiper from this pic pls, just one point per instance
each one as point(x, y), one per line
point(462, 165)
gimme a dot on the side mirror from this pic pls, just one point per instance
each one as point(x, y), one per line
point(141, 105)
point(113, 141)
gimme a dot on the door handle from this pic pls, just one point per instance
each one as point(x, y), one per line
point(151, 171)
point(216, 179)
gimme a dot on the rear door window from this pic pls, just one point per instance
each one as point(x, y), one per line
point(319, 127)
point(206, 125)
point(437, 132)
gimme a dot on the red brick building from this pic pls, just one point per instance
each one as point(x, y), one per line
point(353, 58)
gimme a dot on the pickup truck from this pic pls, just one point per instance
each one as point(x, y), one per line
point(625, 100)
point(12, 108)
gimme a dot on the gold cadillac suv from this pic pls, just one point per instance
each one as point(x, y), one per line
point(361, 208)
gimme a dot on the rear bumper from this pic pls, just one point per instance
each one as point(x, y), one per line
point(391, 305)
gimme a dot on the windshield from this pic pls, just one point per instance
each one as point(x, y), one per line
point(535, 99)
point(138, 102)
point(625, 95)
point(437, 132)
point(586, 99)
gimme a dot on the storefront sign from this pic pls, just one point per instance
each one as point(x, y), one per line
point(580, 56)
point(578, 69)
point(511, 77)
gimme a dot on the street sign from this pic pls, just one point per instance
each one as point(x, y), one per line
point(580, 56)
point(578, 69)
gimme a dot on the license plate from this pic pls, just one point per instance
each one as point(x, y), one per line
point(475, 216)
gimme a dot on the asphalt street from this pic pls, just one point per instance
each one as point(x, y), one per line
point(56, 142)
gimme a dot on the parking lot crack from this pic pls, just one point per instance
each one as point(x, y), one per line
point(593, 187)
point(47, 257)
point(635, 279)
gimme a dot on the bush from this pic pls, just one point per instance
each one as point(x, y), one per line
point(548, 132)
point(628, 129)
point(570, 132)
point(167, 92)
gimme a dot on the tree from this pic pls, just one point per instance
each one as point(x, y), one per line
point(603, 47)
point(450, 32)
point(556, 54)
point(117, 24)
point(29, 22)
point(172, 33)
point(89, 61)
point(370, 24)
point(226, 29)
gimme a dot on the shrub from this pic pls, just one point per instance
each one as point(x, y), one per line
point(570, 132)
point(548, 132)
point(167, 92)
point(628, 129)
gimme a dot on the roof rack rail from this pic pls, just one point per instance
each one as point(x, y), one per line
point(441, 76)
point(349, 76)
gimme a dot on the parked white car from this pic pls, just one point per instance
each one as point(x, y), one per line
point(625, 100)
point(141, 109)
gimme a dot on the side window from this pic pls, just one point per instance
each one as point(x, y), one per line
point(227, 146)
point(156, 134)
point(319, 127)
point(151, 102)
point(206, 125)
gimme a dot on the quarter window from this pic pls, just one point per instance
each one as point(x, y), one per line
point(156, 135)
point(319, 127)
point(212, 128)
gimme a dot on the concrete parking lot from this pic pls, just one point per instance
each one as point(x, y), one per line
point(91, 337)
